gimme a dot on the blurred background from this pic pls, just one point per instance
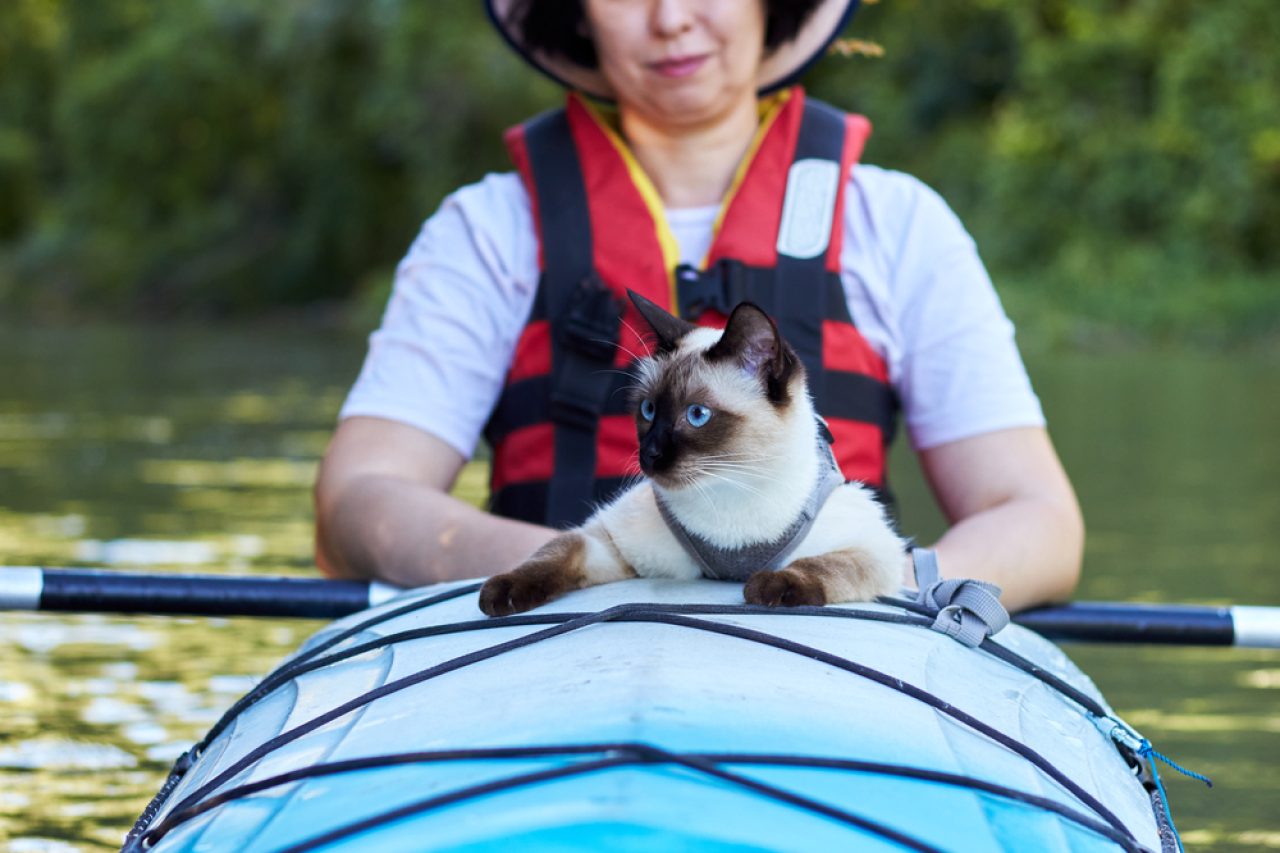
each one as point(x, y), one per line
point(1118, 162)
point(202, 205)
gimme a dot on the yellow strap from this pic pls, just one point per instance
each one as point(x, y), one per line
point(769, 109)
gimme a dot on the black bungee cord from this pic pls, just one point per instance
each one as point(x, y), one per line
point(204, 799)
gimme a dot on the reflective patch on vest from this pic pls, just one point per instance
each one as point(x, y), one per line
point(807, 209)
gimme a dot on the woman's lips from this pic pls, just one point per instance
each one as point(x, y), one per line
point(678, 66)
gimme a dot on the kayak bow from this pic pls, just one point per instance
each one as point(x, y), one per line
point(654, 715)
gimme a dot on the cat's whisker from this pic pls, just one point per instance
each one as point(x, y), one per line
point(631, 391)
point(748, 464)
point(630, 481)
point(700, 488)
point(760, 481)
point(642, 338)
point(618, 344)
point(632, 466)
point(623, 388)
point(743, 470)
point(740, 457)
point(736, 483)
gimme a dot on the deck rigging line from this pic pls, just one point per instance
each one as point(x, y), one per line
point(287, 672)
point(636, 754)
point(680, 615)
point(311, 660)
point(639, 754)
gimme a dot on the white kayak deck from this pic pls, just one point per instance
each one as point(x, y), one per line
point(681, 690)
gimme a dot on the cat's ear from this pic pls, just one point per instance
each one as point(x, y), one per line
point(668, 328)
point(751, 339)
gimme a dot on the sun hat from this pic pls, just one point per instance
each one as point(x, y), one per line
point(782, 66)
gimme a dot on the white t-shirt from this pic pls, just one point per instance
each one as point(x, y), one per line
point(916, 288)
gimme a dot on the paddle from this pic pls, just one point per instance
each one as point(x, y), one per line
point(106, 591)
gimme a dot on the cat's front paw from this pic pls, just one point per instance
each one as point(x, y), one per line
point(784, 588)
point(515, 592)
point(529, 585)
point(557, 567)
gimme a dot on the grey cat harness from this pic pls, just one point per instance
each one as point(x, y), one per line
point(738, 564)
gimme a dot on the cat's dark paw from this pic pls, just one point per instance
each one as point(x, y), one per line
point(784, 588)
point(516, 592)
point(553, 570)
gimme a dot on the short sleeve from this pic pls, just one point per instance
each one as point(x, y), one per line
point(461, 296)
point(915, 281)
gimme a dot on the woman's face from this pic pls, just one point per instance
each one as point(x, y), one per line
point(679, 62)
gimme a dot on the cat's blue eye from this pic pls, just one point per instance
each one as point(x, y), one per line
point(647, 410)
point(697, 415)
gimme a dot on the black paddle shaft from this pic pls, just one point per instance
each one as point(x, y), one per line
point(81, 590)
point(1185, 625)
point(107, 591)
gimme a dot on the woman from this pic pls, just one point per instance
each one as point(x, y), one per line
point(701, 112)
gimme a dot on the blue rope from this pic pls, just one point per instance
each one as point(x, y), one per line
point(1148, 752)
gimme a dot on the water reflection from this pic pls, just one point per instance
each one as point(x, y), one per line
point(194, 449)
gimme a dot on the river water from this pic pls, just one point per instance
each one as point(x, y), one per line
point(193, 449)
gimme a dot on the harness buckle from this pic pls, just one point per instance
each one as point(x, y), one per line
point(719, 288)
point(592, 320)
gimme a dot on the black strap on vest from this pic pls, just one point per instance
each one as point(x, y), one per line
point(585, 317)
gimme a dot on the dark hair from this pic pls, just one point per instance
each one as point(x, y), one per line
point(556, 27)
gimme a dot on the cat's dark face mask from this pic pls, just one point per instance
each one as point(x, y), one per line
point(686, 411)
point(681, 425)
point(659, 446)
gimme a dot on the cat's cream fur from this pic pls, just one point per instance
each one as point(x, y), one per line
point(749, 490)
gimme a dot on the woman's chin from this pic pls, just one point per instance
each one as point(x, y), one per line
point(685, 107)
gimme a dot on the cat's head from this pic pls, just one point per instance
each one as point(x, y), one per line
point(708, 400)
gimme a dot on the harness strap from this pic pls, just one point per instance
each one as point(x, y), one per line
point(738, 564)
point(965, 609)
point(585, 317)
point(925, 561)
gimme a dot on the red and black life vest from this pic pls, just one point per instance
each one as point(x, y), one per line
point(562, 436)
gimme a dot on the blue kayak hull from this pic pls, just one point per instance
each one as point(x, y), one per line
point(658, 729)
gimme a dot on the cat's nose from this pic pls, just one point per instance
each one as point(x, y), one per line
point(649, 456)
point(653, 449)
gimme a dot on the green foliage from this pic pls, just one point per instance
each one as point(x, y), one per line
point(1119, 158)
point(1122, 157)
point(222, 155)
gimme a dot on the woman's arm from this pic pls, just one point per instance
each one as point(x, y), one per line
point(1013, 514)
point(383, 511)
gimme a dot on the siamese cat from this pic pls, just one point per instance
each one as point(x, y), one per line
point(740, 484)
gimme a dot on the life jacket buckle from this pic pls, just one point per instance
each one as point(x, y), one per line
point(720, 288)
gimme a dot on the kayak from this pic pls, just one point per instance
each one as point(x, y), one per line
point(662, 715)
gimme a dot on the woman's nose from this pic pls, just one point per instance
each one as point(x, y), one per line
point(672, 17)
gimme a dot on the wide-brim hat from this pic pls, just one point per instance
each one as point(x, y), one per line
point(782, 66)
